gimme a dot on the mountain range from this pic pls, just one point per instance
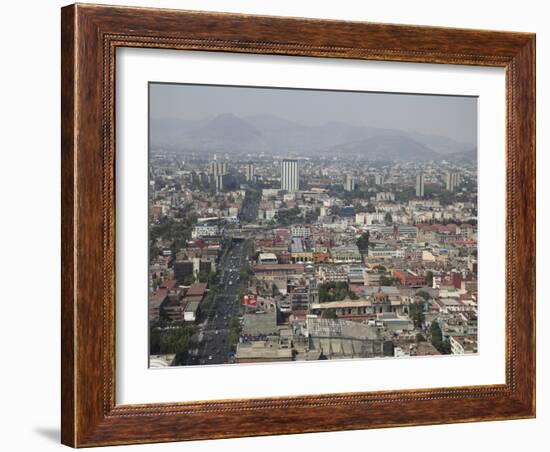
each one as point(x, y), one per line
point(228, 133)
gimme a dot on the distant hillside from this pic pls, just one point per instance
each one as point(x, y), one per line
point(387, 147)
point(463, 157)
point(228, 133)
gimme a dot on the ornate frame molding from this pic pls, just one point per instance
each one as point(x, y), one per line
point(90, 37)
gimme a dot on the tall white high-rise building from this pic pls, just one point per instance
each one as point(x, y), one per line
point(290, 179)
point(213, 168)
point(250, 171)
point(452, 180)
point(350, 182)
point(218, 168)
point(217, 172)
point(420, 185)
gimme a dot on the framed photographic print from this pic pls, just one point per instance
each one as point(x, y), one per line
point(281, 225)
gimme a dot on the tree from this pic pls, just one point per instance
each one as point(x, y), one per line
point(235, 330)
point(248, 249)
point(329, 314)
point(212, 276)
point(430, 278)
point(154, 251)
point(363, 241)
point(341, 291)
point(208, 299)
point(203, 276)
point(335, 291)
point(444, 347)
point(423, 294)
point(437, 336)
point(173, 341)
point(416, 313)
point(323, 293)
point(312, 215)
point(154, 340)
point(244, 273)
point(388, 218)
point(386, 281)
point(286, 217)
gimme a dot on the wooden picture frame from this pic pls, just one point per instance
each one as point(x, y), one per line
point(90, 36)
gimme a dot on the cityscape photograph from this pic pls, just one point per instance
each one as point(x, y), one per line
point(301, 225)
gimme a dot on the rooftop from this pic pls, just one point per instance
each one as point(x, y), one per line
point(196, 289)
point(280, 267)
point(296, 245)
point(346, 303)
point(330, 328)
point(262, 350)
point(386, 290)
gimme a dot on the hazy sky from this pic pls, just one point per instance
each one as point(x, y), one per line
point(451, 116)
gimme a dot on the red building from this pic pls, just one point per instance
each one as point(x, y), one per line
point(408, 278)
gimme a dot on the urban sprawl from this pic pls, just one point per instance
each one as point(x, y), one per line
point(265, 258)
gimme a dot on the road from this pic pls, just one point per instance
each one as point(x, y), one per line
point(214, 346)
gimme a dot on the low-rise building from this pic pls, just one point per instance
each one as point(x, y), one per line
point(269, 350)
point(156, 299)
point(267, 258)
point(347, 254)
point(347, 339)
point(409, 278)
point(346, 308)
point(356, 275)
point(271, 271)
point(300, 231)
point(463, 344)
point(191, 310)
point(260, 322)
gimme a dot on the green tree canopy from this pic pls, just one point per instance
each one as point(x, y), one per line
point(172, 341)
point(423, 294)
point(335, 291)
point(429, 278)
point(416, 313)
point(329, 314)
point(363, 241)
point(443, 346)
point(386, 281)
